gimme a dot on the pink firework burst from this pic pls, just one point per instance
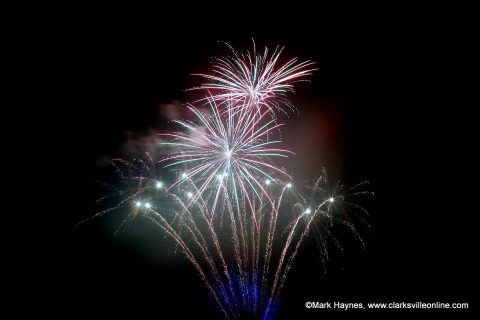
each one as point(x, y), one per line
point(255, 80)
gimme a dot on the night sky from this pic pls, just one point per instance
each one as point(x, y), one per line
point(379, 108)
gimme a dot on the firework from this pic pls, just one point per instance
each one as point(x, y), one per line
point(229, 150)
point(239, 218)
point(243, 271)
point(254, 80)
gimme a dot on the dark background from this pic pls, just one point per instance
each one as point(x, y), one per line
point(387, 110)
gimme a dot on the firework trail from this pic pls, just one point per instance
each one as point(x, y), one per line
point(238, 217)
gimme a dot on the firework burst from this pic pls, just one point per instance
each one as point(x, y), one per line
point(229, 150)
point(255, 80)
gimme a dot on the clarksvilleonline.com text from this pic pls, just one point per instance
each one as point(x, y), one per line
point(384, 305)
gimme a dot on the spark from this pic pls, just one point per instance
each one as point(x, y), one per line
point(331, 199)
point(289, 185)
point(158, 185)
point(222, 176)
point(148, 205)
